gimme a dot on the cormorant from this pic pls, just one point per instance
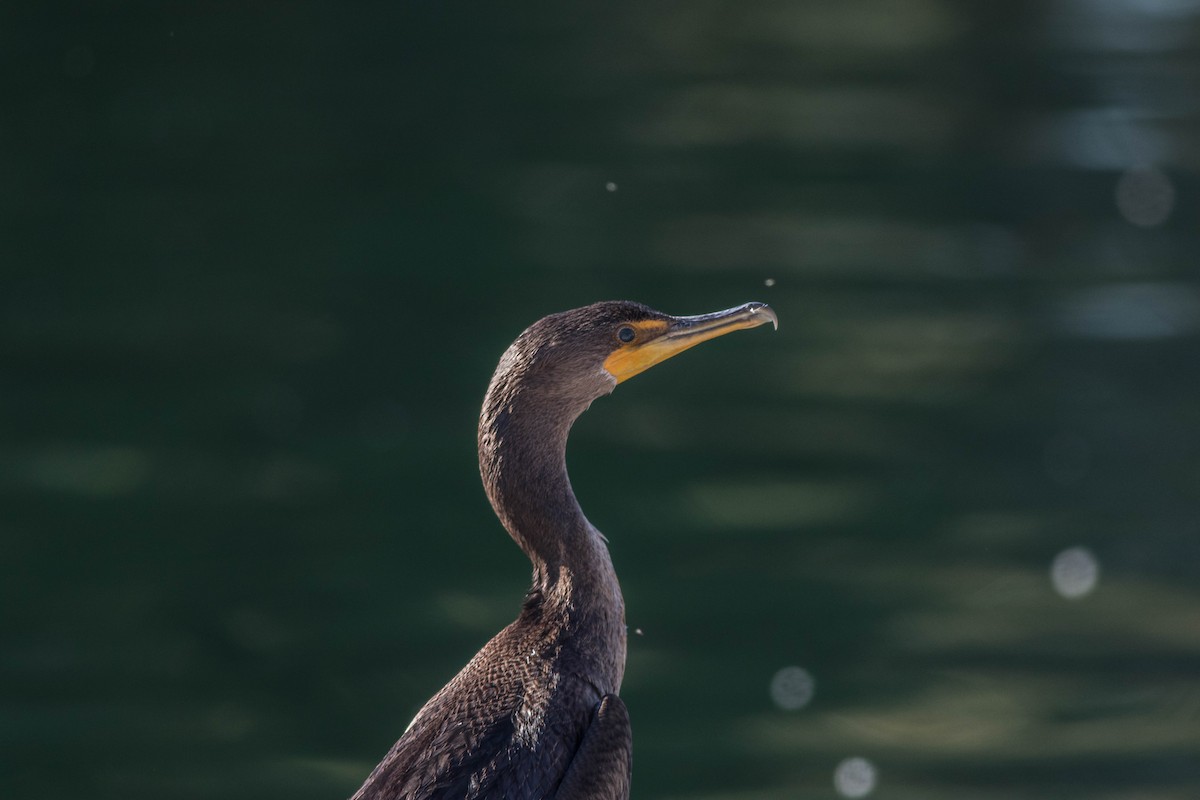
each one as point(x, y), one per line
point(535, 714)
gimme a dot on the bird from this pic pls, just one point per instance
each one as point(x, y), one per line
point(536, 714)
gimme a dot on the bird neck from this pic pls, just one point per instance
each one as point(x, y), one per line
point(527, 415)
point(522, 459)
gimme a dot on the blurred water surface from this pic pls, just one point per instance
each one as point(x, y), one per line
point(938, 537)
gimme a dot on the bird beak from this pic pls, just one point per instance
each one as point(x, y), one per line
point(658, 340)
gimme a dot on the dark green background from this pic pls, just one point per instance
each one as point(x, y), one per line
point(258, 260)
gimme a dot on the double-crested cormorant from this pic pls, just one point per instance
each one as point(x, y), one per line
point(535, 714)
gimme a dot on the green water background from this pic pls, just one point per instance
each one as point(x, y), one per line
point(257, 263)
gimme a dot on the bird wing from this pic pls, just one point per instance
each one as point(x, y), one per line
point(601, 767)
point(511, 726)
point(448, 760)
point(484, 764)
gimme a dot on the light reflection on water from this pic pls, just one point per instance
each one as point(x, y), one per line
point(1133, 311)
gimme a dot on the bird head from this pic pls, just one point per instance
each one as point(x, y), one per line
point(584, 353)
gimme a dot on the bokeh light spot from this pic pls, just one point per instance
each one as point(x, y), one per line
point(792, 688)
point(854, 777)
point(1145, 196)
point(1075, 572)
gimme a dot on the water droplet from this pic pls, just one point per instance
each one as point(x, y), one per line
point(610, 186)
point(769, 282)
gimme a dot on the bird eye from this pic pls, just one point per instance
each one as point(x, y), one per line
point(626, 334)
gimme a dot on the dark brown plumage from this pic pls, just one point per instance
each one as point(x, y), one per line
point(535, 714)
